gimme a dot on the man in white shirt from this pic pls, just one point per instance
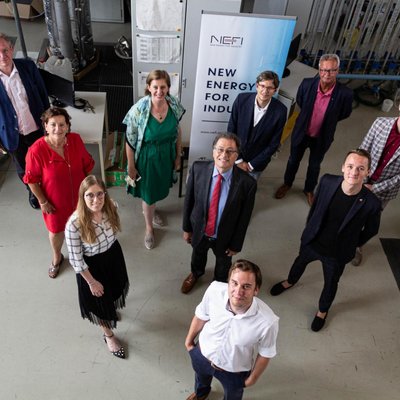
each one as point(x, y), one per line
point(258, 120)
point(236, 334)
point(23, 99)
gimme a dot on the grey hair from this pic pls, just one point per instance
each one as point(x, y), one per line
point(329, 57)
point(7, 39)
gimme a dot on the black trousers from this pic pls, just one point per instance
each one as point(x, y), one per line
point(25, 141)
point(199, 260)
point(314, 163)
point(332, 268)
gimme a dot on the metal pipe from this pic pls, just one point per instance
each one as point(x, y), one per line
point(64, 28)
point(369, 77)
point(19, 28)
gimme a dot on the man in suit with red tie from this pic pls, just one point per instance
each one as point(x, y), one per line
point(218, 205)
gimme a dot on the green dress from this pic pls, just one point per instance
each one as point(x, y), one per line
point(156, 159)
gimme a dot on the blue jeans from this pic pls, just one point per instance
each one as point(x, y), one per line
point(232, 382)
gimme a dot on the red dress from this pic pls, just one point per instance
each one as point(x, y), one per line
point(58, 177)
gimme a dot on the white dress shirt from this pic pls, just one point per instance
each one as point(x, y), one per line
point(232, 342)
point(17, 94)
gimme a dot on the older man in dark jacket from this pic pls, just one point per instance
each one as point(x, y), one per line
point(323, 102)
point(23, 99)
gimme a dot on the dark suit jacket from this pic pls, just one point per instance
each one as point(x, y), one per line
point(340, 107)
point(260, 148)
point(237, 212)
point(359, 225)
point(37, 99)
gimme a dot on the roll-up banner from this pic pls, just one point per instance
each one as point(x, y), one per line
point(233, 50)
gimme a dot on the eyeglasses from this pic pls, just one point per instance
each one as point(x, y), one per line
point(267, 88)
point(327, 71)
point(91, 196)
point(221, 150)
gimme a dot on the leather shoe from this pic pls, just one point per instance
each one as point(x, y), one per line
point(193, 396)
point(318, 323)
point(281, 192)
point(310, 197)
point(278, 288)
point(33, 201)
point(356, 261)
point(188, 283)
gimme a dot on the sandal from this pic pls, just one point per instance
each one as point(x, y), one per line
point(54, 270)
point(149, 241)
point(157, 220)
point(120, 353)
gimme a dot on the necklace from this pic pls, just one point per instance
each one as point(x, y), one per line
point(161, 113)
point(56, 146)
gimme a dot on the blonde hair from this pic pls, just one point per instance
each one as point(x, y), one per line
point(84, 215)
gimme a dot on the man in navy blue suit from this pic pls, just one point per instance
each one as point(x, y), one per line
point(344, 216)
point(258, 120)
point(323, 102)
point(23, 99)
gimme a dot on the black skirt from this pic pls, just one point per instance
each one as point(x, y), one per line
point(110, 270)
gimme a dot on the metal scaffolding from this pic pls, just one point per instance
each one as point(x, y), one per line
point(364, 33)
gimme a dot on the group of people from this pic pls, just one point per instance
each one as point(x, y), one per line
point(233, 333)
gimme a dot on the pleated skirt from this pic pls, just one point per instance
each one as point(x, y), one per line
point(110, 270)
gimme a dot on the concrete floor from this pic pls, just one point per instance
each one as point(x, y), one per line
point(48, 352)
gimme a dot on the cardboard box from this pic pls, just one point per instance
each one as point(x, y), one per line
point(26, 8)
point(115, 160)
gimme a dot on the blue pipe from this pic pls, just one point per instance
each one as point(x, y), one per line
point(370, 77)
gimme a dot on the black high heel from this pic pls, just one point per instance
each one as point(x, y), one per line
point(120, 353)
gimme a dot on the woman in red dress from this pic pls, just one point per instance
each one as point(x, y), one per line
point(56, 164)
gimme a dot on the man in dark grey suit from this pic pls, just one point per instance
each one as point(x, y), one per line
point(344, 215)
point(233, 210)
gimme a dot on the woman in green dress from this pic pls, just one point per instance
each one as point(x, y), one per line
point(153, 147)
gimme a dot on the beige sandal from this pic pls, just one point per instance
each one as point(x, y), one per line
point(54, 270)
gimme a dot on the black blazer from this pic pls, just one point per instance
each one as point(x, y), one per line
point(237, 212)
point(340, 107)
point(261, 146)
point(360, 224)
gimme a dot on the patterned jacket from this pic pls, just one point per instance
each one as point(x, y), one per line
point(137, 117)
point(388, 185)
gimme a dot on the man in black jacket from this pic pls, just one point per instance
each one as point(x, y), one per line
point(224, 229)
point(258, 120)
point(344, 215)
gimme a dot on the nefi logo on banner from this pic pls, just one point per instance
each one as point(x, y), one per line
point(231, 41)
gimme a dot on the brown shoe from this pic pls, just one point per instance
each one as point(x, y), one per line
point(188, 283)
point(194, 397)
point(310, 197)
point(281, 192)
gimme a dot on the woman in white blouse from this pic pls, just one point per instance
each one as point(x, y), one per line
point(97, 258)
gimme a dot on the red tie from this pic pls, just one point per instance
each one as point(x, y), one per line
point(213, 210)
